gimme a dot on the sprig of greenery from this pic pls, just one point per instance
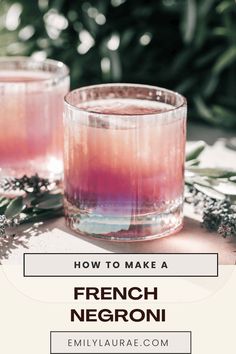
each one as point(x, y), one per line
point(30, 208)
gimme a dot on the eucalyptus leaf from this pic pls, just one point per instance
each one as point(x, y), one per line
point(14, 208)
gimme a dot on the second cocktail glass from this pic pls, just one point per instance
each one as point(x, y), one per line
point(31, 122)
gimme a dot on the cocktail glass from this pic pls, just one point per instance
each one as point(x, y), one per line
point(124, 161)
point(31, 117)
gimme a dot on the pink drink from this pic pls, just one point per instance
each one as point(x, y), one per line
point(124, 165)
point(31, 128)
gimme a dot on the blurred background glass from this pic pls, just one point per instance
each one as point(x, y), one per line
point(185, 45)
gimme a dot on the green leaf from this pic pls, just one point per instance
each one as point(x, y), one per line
point(186, 84)
point(212, 172)
point(190, 20)
point(4, 201)
point(225, 60)
point(3, 205)
point(30, 199)
point(224, 6)
point(47, 196)
point(51, 201)
point(14, 208)
point(220, 31)
point(203, 109)
point(190, 163)
point(205, 7)
point(211, 85)
point(195, 150)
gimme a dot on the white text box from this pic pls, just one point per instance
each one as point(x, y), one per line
point(117, 264)
point(121, 342)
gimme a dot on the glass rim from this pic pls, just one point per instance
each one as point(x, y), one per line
point(61, 72)
point(67, 99)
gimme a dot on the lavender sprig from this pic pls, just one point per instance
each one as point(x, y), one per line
point(217, 215)
point(33, 184)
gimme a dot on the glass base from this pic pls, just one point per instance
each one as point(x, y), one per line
point(125, 228)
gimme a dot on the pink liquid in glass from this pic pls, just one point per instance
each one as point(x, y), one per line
point(124, 175)
point(31, 124)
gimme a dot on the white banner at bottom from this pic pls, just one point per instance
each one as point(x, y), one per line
point(121, 342)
